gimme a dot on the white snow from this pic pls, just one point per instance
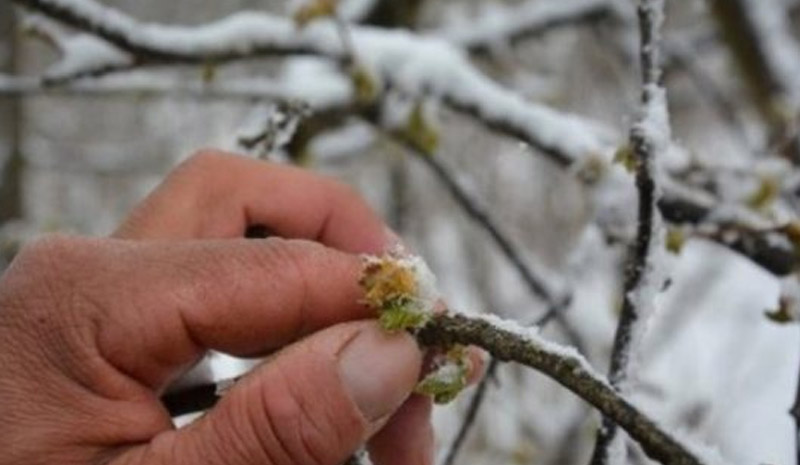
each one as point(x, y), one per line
point(725, 356)
point(427, 295)
point(447, 372)
point(532, 335)
point(315, 81)
point(343, 143)
point(654, 120)
point(84, 52)
point(416, 64)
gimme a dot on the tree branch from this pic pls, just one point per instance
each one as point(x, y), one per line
point(480, 393)
point(648, 137)
point(482, 217)
point(507, 341)
point(563, 137)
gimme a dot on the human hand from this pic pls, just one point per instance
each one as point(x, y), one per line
point(93, 330)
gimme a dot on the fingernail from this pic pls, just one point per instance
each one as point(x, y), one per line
point(379, 370)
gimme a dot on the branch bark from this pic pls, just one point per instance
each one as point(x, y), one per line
point(563, 137)
point(509, 343)
point(639, 263)
point(499, 109)
point(480, 392)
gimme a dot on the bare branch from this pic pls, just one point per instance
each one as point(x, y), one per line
point(481, 216)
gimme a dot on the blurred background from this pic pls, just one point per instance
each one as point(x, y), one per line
point(712, 363)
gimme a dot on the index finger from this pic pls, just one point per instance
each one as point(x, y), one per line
point(218, 195)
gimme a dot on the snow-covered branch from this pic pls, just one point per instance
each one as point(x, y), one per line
point(413, 63)
point(650, 137)
point(508, 341)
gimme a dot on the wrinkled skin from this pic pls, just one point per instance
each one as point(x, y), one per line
point(93, 330)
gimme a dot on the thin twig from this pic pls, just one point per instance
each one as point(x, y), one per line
point(481, 216)
point(639, 259)
point(564, 149)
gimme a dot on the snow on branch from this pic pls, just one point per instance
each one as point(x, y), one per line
point(650, 137)
point(508, 24)
point(421, 65)
point(410, 62)
point(507, 341)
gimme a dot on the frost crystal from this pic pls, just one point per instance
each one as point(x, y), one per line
point(401, 288)
point(448, 377)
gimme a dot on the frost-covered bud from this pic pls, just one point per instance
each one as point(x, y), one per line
point(448, 377)
point(401, 288)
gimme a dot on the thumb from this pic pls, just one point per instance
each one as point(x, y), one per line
point(316, 402)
